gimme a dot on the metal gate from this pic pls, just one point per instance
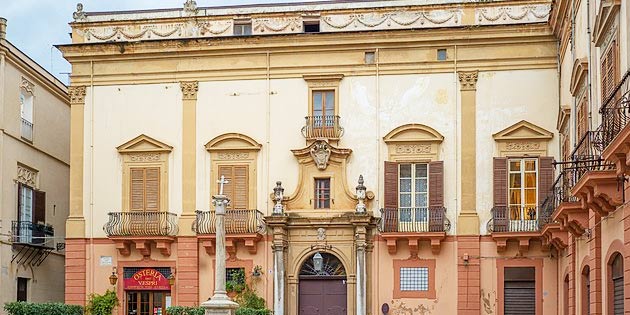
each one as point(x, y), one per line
point(519, 291)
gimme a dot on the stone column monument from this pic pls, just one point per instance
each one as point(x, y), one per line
point(220, 303)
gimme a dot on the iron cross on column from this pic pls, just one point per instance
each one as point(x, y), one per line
point(221, 182)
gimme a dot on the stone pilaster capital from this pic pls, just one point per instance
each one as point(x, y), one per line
point(468, 80)
point(189, 89)
point(77, 94)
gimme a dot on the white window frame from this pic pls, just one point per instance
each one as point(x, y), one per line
point(240, 26)
point(417, 215)
point(522, 223)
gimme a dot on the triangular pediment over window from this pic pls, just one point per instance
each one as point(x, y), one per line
point(144, 143)
point(522, 130)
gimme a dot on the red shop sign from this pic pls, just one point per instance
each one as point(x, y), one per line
point(147, 279)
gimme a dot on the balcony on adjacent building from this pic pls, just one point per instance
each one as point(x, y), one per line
point(142, 228)
point(414, 225)
point(32, 242)
point(247, 226)
point(27, 130)
point(615, 120)
point(567, 210)
point(318, 127)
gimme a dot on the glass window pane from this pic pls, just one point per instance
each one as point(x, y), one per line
point(530, 180)
point(405, 170)
point(515, 166)
point(405, 215)
point(317, 103)
point(515, 196)
point(421, 200)
point(421, 214)
point(530, 196)
point(530, 165)
point(330, 103)
point(405, 200)
point(530, 212)
point(515, 212)
point(421, 170)
point(421, 185)
point(405, 185)
point(515, 180)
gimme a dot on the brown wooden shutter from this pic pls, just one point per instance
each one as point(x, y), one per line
point(436, 184)
point(39, 211)
point(391, 185)
point(241, 187)
point(228, 190)
point(500, 181)
point(545, 177)
point(137, 189)
point(609, 70)
point(152, 189)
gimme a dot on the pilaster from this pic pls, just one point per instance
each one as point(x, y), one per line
point(189, 130)
point(75, 224)
point(278, 225)
point(595, 253)
point(468, 220)
point(361, 223)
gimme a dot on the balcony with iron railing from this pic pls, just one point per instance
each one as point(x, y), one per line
point(615, 113)
point(567, 210)
point(32, 242)
point(26, 131)
point(414, 225)
point(519, 223)
point(322, 126)
point(142, 228)
point(243, 225)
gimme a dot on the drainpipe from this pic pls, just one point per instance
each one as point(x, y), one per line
point(574, 111)
point(590, 67)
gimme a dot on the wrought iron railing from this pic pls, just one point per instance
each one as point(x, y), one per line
point(562, 186)
point(431, 219)
point(236, 222)
point(518, 219)
point(24, 232)
point(322, 127)
point(27, 130)
point(616, 111)
point(587, 156)
point(149, 223)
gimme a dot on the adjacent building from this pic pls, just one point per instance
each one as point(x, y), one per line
point(34, 178)
point(380, 155)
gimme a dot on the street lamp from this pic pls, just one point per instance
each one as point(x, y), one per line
point(113, 278)
point(171, 279)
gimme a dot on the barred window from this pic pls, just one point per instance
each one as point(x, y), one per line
point(414, 279)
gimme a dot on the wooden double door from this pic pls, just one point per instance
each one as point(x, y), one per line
point(147, 302)
point(323, 295)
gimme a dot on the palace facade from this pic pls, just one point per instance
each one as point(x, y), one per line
point(394, 157)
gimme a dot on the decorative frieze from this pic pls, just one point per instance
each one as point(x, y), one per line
point(522, 146)
point(413, 148)
point(77, 94)
point(189, 89)
point(26, 176)
point(199, 23)
point(233, 156)
point(391, 20)
point(145, 157)
point(513, 14)
point(468, 80)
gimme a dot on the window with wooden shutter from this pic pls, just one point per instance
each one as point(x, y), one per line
point(391, 185)
point(616, 277)
point(586, 291)
point(237, 188)
point(582, 118)
point(609, 70)
point(436, 184)
point(545, 178)
point(500, 181)
point(39, 213)
point(145, 189)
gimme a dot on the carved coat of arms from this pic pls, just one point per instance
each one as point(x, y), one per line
point(320, 153)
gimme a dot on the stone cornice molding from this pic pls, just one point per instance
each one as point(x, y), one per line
point(77, 94)
point(468, 80)
point(189, 89)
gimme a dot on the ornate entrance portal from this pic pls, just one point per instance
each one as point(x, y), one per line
point(322, 287)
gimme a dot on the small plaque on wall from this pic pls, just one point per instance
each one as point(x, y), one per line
point(106, 260)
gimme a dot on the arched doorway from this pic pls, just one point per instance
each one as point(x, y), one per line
point(322, 289)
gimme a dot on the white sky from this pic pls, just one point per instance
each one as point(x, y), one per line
point(34, 26)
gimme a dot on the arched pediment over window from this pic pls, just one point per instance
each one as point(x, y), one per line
point(413, 142)
point(233, 141)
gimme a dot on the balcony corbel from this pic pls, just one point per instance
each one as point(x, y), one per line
point(413, 240)
point(555, 235)
point(573, 217)
point(599, 191)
